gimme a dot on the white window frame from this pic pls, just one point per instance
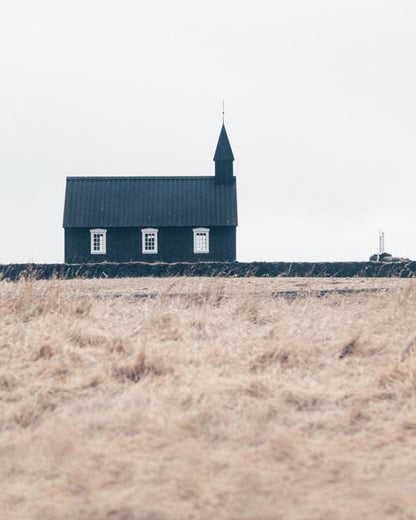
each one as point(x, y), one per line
point(197, 231)
point(149, 231)
point(103, 248)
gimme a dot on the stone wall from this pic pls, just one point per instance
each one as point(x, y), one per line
point(14, 272)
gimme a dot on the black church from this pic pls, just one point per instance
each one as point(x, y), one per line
point(153, 219)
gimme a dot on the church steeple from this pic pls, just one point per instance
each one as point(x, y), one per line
point(223, 159)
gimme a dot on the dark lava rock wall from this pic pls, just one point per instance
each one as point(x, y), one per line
point(14, 272)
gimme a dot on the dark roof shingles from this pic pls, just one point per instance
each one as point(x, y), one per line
point(149, 201)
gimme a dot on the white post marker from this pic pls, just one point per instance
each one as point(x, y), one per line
point(381, 242)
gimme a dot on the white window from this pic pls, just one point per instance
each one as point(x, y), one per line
point(98, 241)
point(149, 241)
point(201, 240)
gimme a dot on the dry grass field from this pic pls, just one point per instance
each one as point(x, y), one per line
point(157, 399)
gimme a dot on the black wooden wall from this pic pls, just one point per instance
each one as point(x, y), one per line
point(175, 244)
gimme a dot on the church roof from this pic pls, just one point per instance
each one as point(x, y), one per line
point(223, 151)
point(149, 202)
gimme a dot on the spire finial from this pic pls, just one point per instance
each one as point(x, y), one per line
point(223, 111)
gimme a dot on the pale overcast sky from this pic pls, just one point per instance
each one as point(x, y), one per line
point(320, 110)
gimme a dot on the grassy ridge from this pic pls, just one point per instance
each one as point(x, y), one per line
point(211, 400)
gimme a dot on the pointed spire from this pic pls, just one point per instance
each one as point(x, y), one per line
point(223, 159)
point(223, 151)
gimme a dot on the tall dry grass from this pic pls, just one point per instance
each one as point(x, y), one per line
point(211, 399)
